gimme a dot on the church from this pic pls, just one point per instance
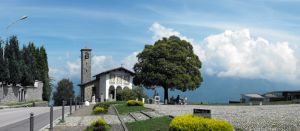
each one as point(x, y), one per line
point(106, 84)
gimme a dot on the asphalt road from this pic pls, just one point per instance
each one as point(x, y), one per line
point(17, 119)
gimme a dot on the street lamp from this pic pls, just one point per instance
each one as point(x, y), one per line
point(22, 18)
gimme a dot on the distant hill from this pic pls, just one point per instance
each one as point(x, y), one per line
point(220, 89)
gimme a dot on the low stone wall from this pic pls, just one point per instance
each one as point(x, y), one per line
point(9, 93)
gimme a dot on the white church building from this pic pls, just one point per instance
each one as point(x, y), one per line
point(106, 84)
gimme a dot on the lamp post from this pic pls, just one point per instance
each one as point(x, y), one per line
point(7, 27)
point(22, 18)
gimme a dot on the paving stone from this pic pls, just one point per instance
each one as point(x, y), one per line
point(139, 116)
point(153, 114)
point(127, 118)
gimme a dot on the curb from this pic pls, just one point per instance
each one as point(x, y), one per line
point(122, 122)
point(133, 116)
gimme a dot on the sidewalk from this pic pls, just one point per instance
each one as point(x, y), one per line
point(82, 118)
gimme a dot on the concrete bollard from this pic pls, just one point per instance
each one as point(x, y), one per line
point(63, 111)
point(143, 100)
point(31, 121)
point(70, 106)
point(51, 118)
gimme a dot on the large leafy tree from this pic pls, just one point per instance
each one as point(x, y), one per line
point(64, 91)
point(171, 64)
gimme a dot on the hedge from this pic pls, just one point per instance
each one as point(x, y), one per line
point(134, 103)
point(195, 123)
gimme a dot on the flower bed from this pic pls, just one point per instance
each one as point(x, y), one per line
point(134, 103)
point(196, 123)
point(98, 125)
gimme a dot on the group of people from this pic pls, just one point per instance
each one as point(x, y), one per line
point(178, 100)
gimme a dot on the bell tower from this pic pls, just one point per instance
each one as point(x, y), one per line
point(85, 65)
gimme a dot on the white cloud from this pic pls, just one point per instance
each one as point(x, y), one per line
point(74, 67)
point(161, 31)
point(130, 60)
point(101, 63)
point(237, 54)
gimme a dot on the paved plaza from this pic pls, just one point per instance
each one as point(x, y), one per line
point(266, 117)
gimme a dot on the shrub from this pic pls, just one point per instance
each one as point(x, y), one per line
point(134, 103)
point(196, 123)
point(98, 125)
point(98, 110)
point(128, 94)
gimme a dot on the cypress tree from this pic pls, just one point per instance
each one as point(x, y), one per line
point(13, 56)
point(2, 62)
point(33, 60)
point(44, 70)
point(27, 72)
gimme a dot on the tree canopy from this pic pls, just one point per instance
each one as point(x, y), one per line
point(24, 65)
point(169, 63)
point(64, 91)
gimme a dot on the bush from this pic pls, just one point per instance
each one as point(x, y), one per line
point(127, 94)
point(98, 110)
point(98, 125)
point(134, 103)
point(196, 123)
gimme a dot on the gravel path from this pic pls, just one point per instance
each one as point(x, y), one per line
point(253, 118)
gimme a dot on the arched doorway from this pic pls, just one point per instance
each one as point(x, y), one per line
point(111, 93)
point(118, 93)
point(126, 88)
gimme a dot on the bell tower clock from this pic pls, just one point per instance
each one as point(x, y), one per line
point(85, 65)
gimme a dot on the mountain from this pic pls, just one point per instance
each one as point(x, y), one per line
point(219, 89)
point(222, 89)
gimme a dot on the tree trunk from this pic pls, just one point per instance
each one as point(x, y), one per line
point(166, 97)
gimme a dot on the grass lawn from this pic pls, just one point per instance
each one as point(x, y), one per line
point(155, 124)
point(124, 109)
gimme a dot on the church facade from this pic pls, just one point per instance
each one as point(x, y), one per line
point(105, 85)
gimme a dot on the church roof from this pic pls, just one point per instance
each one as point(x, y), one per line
point(85, 49)
point(89, 82)
point(115, 69)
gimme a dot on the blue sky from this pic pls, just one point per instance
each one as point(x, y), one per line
point(259, 38)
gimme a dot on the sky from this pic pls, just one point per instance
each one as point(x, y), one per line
point(248, 41)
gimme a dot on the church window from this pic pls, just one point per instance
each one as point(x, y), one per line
point(126, 80)
point(112, 79)
point(119, 79)
point(86, 55)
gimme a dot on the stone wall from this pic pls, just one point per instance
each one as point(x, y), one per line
point(88, 92)
point(9, 93)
